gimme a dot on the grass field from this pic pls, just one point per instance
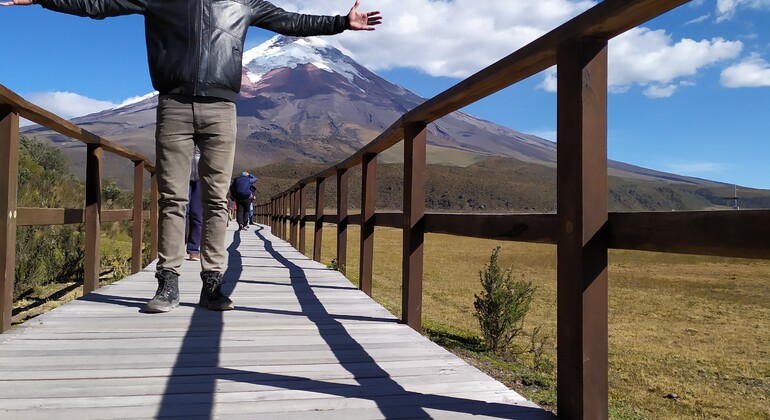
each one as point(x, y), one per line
point(688, 335)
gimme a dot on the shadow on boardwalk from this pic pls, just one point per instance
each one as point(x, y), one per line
point(391, 399)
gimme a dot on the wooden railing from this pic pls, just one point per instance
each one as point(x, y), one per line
point(582, 228)
point(11, 108)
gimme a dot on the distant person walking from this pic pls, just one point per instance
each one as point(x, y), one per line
point(194, 210)
point(194, 51)
point(241, 191)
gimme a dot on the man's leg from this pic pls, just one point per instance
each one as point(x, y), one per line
point(173, 148)
point(216, 129)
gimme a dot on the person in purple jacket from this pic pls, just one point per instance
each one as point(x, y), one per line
point(195, 64)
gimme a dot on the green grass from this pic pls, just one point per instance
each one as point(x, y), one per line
point(688, 325)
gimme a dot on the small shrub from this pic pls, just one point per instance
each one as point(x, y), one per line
point(502, 304)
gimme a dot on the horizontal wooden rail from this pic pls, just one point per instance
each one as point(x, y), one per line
point(30, 216)
point(729, 233)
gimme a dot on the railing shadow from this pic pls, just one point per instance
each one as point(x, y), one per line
point(372, 381)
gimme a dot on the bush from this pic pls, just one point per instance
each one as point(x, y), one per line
point(502, 304)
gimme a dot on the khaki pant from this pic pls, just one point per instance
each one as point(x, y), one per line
point(182, 122)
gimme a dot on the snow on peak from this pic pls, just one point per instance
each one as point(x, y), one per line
point(136, 99)
point(281, 51)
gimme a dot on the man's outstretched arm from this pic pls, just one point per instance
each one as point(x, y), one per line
point(16, 3)
point(96, 9)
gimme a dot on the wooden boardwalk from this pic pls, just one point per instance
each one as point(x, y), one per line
point(302, 343)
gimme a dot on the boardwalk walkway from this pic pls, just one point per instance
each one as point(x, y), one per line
point(302, 343)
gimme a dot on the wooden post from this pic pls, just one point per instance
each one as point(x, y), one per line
point(282, 212)
point(320, 191)
point(281, 215)
point(9, 184)
point(582, 237)
point(153, 216)
point(93, 218)
point(275, 217)
point(342, 219)
point(302, 213)
point(414, 224)
point(286, 216)
point(368, 200)
point(292, 219)
point(138, 223)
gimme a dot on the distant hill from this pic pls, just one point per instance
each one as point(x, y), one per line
point(507, 185)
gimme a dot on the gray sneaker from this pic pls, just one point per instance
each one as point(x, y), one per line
point(211, 293)
point(167, 296)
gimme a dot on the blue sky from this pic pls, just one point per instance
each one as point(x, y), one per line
point(690, 91)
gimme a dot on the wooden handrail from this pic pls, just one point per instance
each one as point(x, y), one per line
point(583, 229)
point(12, 106)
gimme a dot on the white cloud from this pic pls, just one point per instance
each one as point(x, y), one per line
point(659, 91)
point(651, 59)
point(726, 9)
point(751, 72)
point(699, 19)
point(444, 38)
point(643, 56)
point(67, 104)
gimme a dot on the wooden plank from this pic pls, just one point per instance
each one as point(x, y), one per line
point(293, 218)
point(137, 230)
point(49, 216)
point(302, 214)
point(320, 193)
point(9, 184)
point(582, 216)
point(153, 216)
point(117, 215)
point(342, 220)
point(415, 162)
point(367, 222)
point(733, 233)
point(93, 211)
point(539, 228)
point(28, 216)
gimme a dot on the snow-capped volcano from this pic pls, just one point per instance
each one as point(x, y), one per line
point(303, 99)
point(289, 52)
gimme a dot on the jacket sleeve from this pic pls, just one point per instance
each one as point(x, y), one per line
point(95, 9)
point(268, 16)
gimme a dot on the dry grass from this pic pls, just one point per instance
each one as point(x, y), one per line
point(692, 326)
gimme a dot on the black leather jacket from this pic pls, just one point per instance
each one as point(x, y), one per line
point(194, 47)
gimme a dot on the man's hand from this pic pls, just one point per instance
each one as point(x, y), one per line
point(359, 21)
point(16, 3)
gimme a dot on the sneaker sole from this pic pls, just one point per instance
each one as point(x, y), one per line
point(157, 310)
